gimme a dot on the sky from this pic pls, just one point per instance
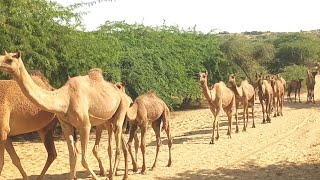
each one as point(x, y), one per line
point(233, 16)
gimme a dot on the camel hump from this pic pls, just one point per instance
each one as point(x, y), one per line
point(95, 74)
point(151, 93)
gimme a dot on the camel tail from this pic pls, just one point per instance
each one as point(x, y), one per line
point(165, 119)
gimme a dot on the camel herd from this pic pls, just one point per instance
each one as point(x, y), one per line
point(29, 103)
point(271, 91)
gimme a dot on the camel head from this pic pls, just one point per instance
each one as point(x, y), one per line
point(203, 77)
point(232, 78)
point(11, 63)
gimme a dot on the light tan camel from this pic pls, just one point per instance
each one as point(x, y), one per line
point(278, 95)
point(219, 97)
point(244, 94)
point(148, 108)
point(108, 126)
point(310, 82)
point(83, 101)
point(18, 116)
point(283, 81)
point(265, 97)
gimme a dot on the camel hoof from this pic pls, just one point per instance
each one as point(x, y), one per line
point(244, 130)
point(153, 167)
point(169, 164)
point(217, 138)
point(143, 173)
point(211, 142)
point(135, 169)
point(237, 131)
point(253, 126)
point(275, 115)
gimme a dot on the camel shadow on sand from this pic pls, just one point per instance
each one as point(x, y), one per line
point(250, 171)
point(80, 175)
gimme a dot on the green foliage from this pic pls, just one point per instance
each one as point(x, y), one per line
point(164, 59)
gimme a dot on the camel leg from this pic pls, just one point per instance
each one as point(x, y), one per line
point(95, 149)
point(110, 132)
point(15, 159)
point(281, 105)
point(275, 105)
point(268, 109)
point(236, 117)
point(2, 147)
point(143, 147)
point(156, 128)
point(168, 132)
point(229, 114)
point(46, 136)
point(133, 132)
point(68, 132)
point(84, 132)
point(263, 111)
point(245, 110)
point(252, 112)
point(4, 131)
point(136, 146)
point(216, 122)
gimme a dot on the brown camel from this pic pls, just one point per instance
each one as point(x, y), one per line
point(84, 101)
point(148, 108)
point(294, 85)
point(278, 95)
point(18, 116)
point(310, 82)
point(245, 94)
point(219, 97)
point(265, 97)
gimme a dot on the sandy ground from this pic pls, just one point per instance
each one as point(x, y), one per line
point(287, 148)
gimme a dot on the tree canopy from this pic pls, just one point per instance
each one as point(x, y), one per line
point(165, 59)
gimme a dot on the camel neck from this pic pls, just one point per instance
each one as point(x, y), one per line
point(237, 90)
point(206, 92)
point(44, 99)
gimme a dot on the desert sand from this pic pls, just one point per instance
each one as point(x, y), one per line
point(286, 148)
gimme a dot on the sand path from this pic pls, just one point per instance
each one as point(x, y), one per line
point(287, 148)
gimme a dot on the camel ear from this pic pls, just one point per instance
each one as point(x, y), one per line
point(18, 55)
point(123, 83)
point(206, 72)
point(5, 52)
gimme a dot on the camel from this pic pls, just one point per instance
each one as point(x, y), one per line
point(310, 82)
point(148, 108)
point(245, 94)
point(82, 102)
point(108, 126)
point(19, 115)
point(294, 85)
point(283, 81)
point(278, 95)
point(219, 97)
point(265, 94)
